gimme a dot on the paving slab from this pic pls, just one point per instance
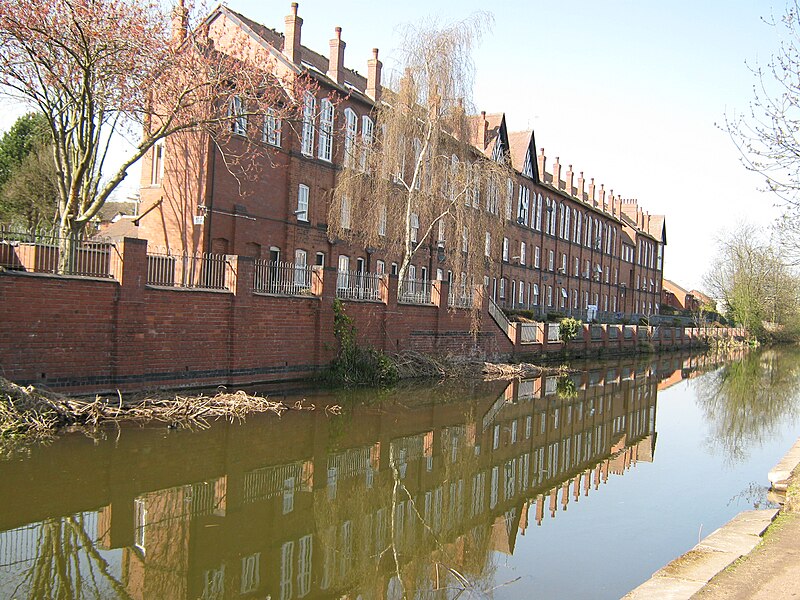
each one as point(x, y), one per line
point(725, 540)
point(752, 522)
point(665, 588)
point(780, 473)
point(698, 565)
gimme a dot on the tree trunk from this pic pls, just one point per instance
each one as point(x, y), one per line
point(69, 237)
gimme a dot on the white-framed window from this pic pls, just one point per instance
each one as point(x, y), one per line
point(564, 264)
point(523, 251)
point(236, 111)
point(414, 227)
point(521, 291)
point(578, 228)
point(577, 266)
point(302, 203)
point(367, 127)
point(551, 257)
point(325, 150)
point(300, 268)
point(380, 267)
point(537, 212)
point(307, 133)
point(537, 260)
point(157, 168)
point(350, 135)
point(441, 232)
point(487, 246)
point(382, 218)
point(564, 297)
point(505, 249)
point(464, 239)
point(343, 272)
point(502, 288)
point(345, 212)
point(524, 205)
point(272, 129)
point(536, 294)
point(320, 259)
point(549, 295)
point(509, 198)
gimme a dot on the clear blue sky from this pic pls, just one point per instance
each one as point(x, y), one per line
point(627, 91)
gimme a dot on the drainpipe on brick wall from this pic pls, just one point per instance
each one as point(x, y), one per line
point(210, 196)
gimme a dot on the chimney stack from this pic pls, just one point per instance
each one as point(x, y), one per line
point(580, 186)
point(542, 163)
point(569, 176)
point(180, 23)
point(336, 61)
point(592, 198)
point(557, 174)
point(291, 41)
point(613, 203)
point(602, 200)
point(374, 67)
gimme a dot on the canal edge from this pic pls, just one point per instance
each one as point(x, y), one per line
point(689, 573)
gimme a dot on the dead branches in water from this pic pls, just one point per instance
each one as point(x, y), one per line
point(28, 412)
point(522, 370)
point(412, 365)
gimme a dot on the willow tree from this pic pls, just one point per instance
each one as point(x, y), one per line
point(418, 185)
point(103, 71)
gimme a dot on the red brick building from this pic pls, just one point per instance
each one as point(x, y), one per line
point(568, 244)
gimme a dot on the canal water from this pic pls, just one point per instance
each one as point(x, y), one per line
point(578, 486)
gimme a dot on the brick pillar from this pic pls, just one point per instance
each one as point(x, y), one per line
point(241, 352)
point(129, 267)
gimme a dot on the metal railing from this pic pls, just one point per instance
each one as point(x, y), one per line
point(415, 291)
point(194, 271)
point(553, 332)
point(460, 297)
point(529, 332)
point(47, 252)
point(283, 278)
point(499, 317)
point(358, 285)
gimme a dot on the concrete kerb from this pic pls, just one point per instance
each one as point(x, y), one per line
point(689, 573)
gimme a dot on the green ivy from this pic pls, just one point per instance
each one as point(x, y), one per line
point(355, 364)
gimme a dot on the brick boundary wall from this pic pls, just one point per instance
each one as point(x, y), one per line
point(91, 335)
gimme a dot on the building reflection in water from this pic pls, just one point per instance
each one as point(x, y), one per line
point(409, 497)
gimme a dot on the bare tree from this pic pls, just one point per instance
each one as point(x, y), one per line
point(419, 182)
point(768, 134)
point(755, 282)
point(98, 69)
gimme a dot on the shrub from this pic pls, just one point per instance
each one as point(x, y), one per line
point(568, 328)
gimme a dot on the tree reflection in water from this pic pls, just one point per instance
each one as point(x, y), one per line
point(744, 402)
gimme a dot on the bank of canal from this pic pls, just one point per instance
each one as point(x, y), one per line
point(541, 488)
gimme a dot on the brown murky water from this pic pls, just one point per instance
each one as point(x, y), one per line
point(544, 488)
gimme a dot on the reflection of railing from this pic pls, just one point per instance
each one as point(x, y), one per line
point(358, 285)
point(350, 462)
point(195, 271)
point(285, 278)
point(415, 291)
point(24, 544)
point(268, 482)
